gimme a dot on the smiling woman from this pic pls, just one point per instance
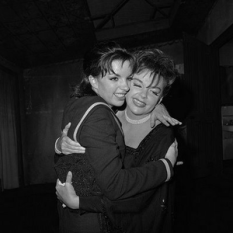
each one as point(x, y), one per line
point(146, 146)
point(100, 171)
point(145, 91)
point(115, 84)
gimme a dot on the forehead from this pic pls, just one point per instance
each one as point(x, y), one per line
point(148, 78)
point(119, 66)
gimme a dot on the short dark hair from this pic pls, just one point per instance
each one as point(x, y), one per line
point(157, 62)
point(98, 61)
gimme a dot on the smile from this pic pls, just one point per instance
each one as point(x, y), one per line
point(120, 95)
point(139, 103)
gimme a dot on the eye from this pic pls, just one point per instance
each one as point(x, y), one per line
point(136, 84)
point(114, 78)
point(155, 92)
point(130, 78)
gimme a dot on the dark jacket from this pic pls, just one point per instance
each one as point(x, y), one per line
point(100, 170)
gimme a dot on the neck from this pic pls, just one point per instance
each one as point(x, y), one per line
point(136, 121)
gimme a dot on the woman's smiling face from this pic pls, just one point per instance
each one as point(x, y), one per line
point(114, 86)
point(145, 93)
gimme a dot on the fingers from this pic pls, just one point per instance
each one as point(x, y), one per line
point(60, 183)
point(172, 121)
point(70, 149)
point(69, 146)
point(59, 198)
point(66, 129)
point(73, 143)
point(57, 182)
point(160, 118)
point(164, 121)
point(179, 163)
point(69, 177)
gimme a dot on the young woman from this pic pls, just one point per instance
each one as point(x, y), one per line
point(100, 172)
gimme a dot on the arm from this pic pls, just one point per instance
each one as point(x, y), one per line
point(161, 114)
point(159, 146)
point(64, 145)
point(67, 195)
point(67, 146)
point(98, 136)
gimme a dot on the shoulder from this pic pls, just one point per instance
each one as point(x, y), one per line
point(77, 107)
point(162, 131)
point(100, 112)
point(163, 128)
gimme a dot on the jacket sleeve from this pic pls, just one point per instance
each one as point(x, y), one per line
point(98, 136)
point(101, 204)
point(132, 204)
point(162, 140)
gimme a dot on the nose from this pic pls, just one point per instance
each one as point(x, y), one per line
point(143, 93)
point(124, 85)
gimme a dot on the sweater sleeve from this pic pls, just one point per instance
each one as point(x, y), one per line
point(98, 136)
point(163, 140)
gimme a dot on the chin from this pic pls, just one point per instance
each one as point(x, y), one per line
point(137, 111)
point(117, 103)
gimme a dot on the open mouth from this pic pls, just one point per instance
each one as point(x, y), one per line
point(139, 103)
point(120, 95)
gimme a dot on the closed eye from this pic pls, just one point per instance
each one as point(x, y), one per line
point(136, 85)
point(155, 93)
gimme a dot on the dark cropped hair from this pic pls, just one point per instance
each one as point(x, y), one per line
point(159, 63)
point(97, 62)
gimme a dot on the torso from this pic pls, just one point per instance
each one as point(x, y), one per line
point(83, 174)
point(151, 148)
point(134, 134)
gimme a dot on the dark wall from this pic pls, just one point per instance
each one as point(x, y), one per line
point(47, 90)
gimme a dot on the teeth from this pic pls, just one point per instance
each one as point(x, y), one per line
point(120, 95)
point(139, 103)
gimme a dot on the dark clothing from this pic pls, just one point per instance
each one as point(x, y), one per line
point(72, 222)
point(151, 211)
point(154, 213)
point(99, 172)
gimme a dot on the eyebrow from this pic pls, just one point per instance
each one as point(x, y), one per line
point(137, 80)
point(113, 73)
point(150, 86)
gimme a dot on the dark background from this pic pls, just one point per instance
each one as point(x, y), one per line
point(41, 47)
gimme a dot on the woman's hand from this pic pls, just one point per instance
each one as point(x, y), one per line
point(66, 193)
point(172, 153)
point(66, 145)
point(161, 114)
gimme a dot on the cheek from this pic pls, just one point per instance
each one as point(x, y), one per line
point(103, 88)
point(129, 95)
point(153, 102)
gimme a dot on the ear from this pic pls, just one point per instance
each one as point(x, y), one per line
point(93, 82)
point(160, 100)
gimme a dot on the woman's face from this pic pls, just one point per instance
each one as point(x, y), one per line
point(113, 87)
point(144, 95)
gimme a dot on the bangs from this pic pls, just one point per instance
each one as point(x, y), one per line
point(155, 76)
point(105, 63)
